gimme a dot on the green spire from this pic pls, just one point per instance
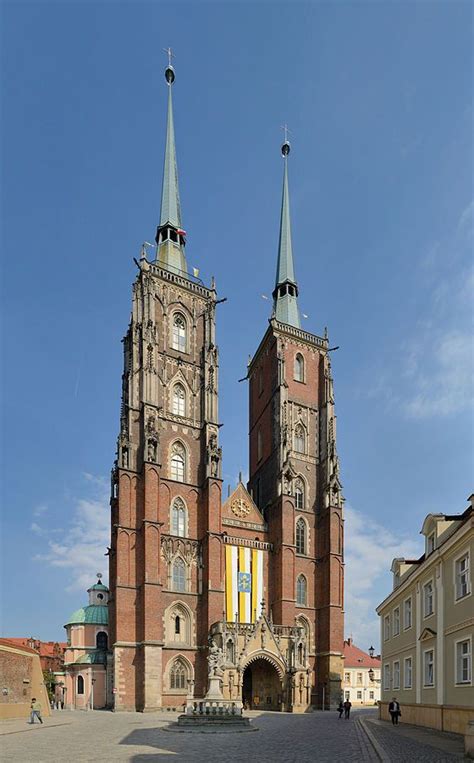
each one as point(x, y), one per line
point(170, 237)
point(285, 305)
point(170, 206)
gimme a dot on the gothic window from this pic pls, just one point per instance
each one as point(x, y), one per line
point(299, 368)
point(301, 590)
point(101, 640)
point(178, 675)
point(178, 518)
point(179, 575)
point(179, 400)
point(259, 445)
point(299, 494)
point(80, 685)
point(179, 332)
point(178, 462)
point(301, 536)
point(300, 439)
point(177, 625)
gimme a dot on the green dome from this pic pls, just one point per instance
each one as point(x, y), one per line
point(98, 587)
point(97, 614)
point(93, 658)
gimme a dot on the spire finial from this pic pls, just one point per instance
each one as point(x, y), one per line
point(169, 71)
point(286, 147)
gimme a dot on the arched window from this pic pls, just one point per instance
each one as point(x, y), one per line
point(177, 625)
point(301, 536)
point(300, 439)
point(300, 654)
point(299, 368)
point(178, 518)
point(178, 675)
point(179, 332)
point(80, 685)
point(259, 445)
point(299, 494)
point(179, 575)
point(301, 589)
point(101, 640)
point(179, 400)
point(178, 462)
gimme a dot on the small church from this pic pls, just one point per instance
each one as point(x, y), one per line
point(256, 579)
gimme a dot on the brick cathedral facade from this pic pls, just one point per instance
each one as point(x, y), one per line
point(258, 578)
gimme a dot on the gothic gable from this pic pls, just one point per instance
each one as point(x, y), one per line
point(239, 510)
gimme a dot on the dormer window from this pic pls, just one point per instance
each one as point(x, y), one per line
point(430, 543)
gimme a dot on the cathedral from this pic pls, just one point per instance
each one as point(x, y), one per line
point(257, 578)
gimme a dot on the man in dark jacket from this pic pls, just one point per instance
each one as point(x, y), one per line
point(394, 710)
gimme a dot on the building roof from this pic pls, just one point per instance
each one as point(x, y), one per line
point(43, 648)
point(356, 658)
point(97, 614)
point(170, 203)
point(5, 642)
point(98, 587)
point(97, 657)
point(285, 304)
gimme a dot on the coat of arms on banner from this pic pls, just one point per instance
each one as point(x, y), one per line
point(244, 584)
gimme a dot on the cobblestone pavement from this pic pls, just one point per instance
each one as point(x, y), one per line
point(138, 738)
point(412, 744)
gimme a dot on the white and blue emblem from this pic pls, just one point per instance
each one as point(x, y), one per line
point(244, 582)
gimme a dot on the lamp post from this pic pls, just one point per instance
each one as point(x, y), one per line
point(92, 693)
point(371, 651)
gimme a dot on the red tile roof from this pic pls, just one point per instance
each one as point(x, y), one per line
point(43, 648)
point(13, 642)
point(356, 658)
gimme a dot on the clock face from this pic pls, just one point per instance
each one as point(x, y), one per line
point(240, 508)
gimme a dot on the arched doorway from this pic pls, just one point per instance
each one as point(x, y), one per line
point(261, 686)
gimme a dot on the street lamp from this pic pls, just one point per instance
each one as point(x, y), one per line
point(371, 651)
point(371, 675)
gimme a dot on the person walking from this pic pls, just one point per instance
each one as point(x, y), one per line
point(340, 709)
point(394, 710)
point(35, 710)
point(347, 708)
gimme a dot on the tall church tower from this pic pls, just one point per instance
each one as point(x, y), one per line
point(166, 582)
point(294, 471)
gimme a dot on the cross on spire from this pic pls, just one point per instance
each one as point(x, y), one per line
point(170, 54)
point(285, 131)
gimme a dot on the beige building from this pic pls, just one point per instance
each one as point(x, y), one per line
point(427, 627)
point(361, 681)
point(22, 679)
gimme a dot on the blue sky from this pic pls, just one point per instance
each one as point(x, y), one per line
point(378, 97)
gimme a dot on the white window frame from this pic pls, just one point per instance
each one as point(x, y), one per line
point(396, 632)
point(396, 685)
point(405, 684)
point(456, 560)
point(179, 336)
point(405, 626)
point(463, 640)
point(387, 675)
point(386, 630)
point(178, 403)
point(346, 679)
point(359, 694)
point(182, 565)
point(425, 585)
point(298, 368)
point(425, 652)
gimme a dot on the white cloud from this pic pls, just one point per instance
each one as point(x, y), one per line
point(79, 549)
point(441, 376)
point(370, 549)
point(39, 510)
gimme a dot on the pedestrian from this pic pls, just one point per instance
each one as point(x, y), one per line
point(340, 709)
point(394, 710)
point(35, 710)
point(347, 708)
